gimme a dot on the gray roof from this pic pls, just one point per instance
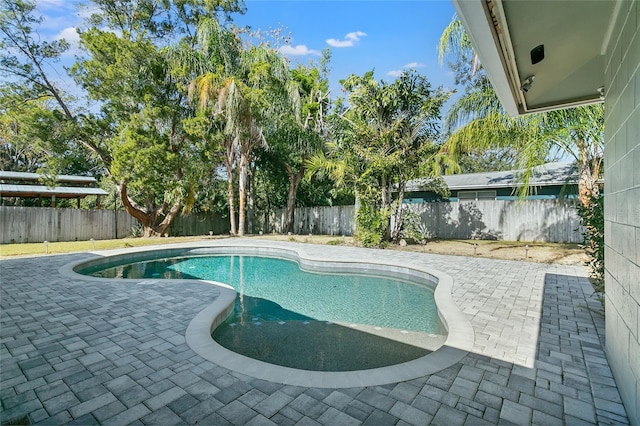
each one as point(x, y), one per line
point(8, 190)
point(7, 175)
point(550, 174)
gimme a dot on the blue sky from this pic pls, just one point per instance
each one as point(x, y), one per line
point(388, 36)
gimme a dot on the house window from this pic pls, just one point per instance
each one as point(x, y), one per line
point(477, 195)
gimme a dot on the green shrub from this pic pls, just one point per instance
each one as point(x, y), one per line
point(593, 220)
point(371, 225)
point(413, 229)
point(136, 231)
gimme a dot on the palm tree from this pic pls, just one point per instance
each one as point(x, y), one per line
point(477, 121)
point(302, 131)
point(208, 73)
point(234, 84)
point(265, 85)
point(455, 42)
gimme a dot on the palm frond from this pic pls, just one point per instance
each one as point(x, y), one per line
point(474, 104)
point(456, 42)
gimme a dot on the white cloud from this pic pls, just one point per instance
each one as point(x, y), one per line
point(299, 50)
point(410, 65)
point(349, 39)
point(69, 34)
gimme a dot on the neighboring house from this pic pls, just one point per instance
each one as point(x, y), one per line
point(487, 206)
point(549, 181)
point(542, 55)
point(19, 185)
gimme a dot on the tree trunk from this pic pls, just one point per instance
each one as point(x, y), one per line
point(148, 219)
point(232, 207)
point(250, 199)
point(134, 210)
point(587, 182)
point(242, 192)
point(267, 226)
point(357, 203)
point(173, 212)
point(294, 183)
point(384, 185)
point(398, 215)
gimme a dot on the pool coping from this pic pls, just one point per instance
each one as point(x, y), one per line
point(459, 342)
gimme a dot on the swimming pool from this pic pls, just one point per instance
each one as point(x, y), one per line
point(314, 321)
point(310, 258)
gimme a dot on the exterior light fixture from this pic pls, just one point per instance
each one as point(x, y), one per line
point(527, 83)
point(601, 91)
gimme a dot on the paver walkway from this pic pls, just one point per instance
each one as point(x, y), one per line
point(81, 352)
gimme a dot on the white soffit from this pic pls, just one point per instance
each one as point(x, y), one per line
point(474, 17)
point(572, 32)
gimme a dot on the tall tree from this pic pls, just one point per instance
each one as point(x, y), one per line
point(142, 110)
point(238, 84)
point(299, 132)
point(138, 135)
point(384, 138)
point(207, 71)
point(24, 60)
point(143, 105)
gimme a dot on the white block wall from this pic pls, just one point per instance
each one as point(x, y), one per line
point(622, 205)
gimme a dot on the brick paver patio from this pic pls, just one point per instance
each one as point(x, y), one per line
point(84, 352)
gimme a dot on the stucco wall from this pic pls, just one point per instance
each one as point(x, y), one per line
point(622, 205)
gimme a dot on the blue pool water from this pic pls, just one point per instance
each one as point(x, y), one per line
point(287, 316)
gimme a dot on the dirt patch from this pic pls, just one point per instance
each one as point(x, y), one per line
point(565, 254)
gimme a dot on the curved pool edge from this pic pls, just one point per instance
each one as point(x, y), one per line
point(459, 342)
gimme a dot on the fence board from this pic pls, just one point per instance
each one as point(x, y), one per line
point(334, 220)
point(37, 224)
point(533, 220)
point(198, 224)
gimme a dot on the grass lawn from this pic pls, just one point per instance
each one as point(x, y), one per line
point(512, 250)
point(30, 249)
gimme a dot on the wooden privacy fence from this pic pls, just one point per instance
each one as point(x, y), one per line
point(535, 220)
point(335, 220)
point(532, 220)
point(554, 221)
point(38, 224)
point(198, 224)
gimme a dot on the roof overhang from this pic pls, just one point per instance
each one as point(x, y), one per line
point(22, 176)
point(34, 191)
point(574, 33)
